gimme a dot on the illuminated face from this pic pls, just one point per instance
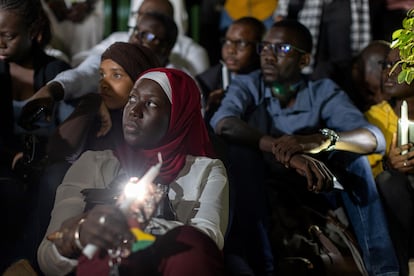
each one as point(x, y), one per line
point(15, 38)
point(146, 115)
point(114, 83)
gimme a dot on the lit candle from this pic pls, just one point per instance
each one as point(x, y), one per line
point(134, 190)
point(404, 125)
point(224, 75)
point(137, 189)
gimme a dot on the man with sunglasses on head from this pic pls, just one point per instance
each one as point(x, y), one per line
point(307, 137)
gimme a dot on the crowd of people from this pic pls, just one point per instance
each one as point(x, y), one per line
point(298, 104)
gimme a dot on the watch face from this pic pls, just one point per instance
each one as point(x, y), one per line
point(332, 136)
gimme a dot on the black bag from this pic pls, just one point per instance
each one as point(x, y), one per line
point(308, 242)
point(30, 167)
point(96, 196)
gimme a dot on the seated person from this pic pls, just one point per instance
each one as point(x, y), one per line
point(239, 56)
point(366, 74)
point(154, 30)
point(186, 53)
point(77, 25)
point(158, 118)
point(396, 183)
point(180, 13)
point(120, 64)
point(369, 98)
point(278, 112)
point(24, 68)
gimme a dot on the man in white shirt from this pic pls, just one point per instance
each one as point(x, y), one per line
point(186, 52)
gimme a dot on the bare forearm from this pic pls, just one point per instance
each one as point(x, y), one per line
point(359, 141)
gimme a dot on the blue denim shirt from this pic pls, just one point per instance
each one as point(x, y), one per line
point(318, 104)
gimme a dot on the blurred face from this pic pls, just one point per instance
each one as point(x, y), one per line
point(159, 6)
point(390, 85)
point(368, 78)
point(150, 33)
point(279, 58)
point(146, 115)
point(15, 38)
point(114, 84)
point(239, 49)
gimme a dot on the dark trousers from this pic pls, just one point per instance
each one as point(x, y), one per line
point(184, 250)
point(28, 213)
point(396, 191)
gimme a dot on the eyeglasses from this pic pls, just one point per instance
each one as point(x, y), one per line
point(239, 44)
point(278, 49)
point(144, 36)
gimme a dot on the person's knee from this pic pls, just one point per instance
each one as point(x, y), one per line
point(194, 253)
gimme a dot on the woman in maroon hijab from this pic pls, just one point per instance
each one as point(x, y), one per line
point(163, 115)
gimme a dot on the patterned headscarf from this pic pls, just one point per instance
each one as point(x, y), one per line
point(186, 134)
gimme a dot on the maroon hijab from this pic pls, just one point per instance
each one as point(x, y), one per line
point(186, 135)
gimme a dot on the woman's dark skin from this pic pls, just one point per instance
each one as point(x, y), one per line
point(145, 122)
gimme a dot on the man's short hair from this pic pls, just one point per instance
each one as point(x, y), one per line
point(300, 31)
point(257, 25)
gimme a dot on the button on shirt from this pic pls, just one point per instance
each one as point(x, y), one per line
point(318, 104)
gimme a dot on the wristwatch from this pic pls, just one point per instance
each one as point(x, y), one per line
point(331, 135)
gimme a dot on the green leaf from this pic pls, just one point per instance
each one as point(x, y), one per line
point(410, 76)
point(402, 76)
point(403, 39)
point(396, 34)
point(408, 23)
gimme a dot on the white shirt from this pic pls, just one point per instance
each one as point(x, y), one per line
point(186, 55)
point(180, 14)
point(199, 196)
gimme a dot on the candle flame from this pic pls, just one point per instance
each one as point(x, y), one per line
point(135, 189)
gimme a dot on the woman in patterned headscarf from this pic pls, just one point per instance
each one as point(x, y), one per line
point(163, 115)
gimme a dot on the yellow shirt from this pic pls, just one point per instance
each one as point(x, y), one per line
point(260, 9)
point(383, 116)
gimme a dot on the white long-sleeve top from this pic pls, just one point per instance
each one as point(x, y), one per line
point(83, 79)
point(199, 195)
